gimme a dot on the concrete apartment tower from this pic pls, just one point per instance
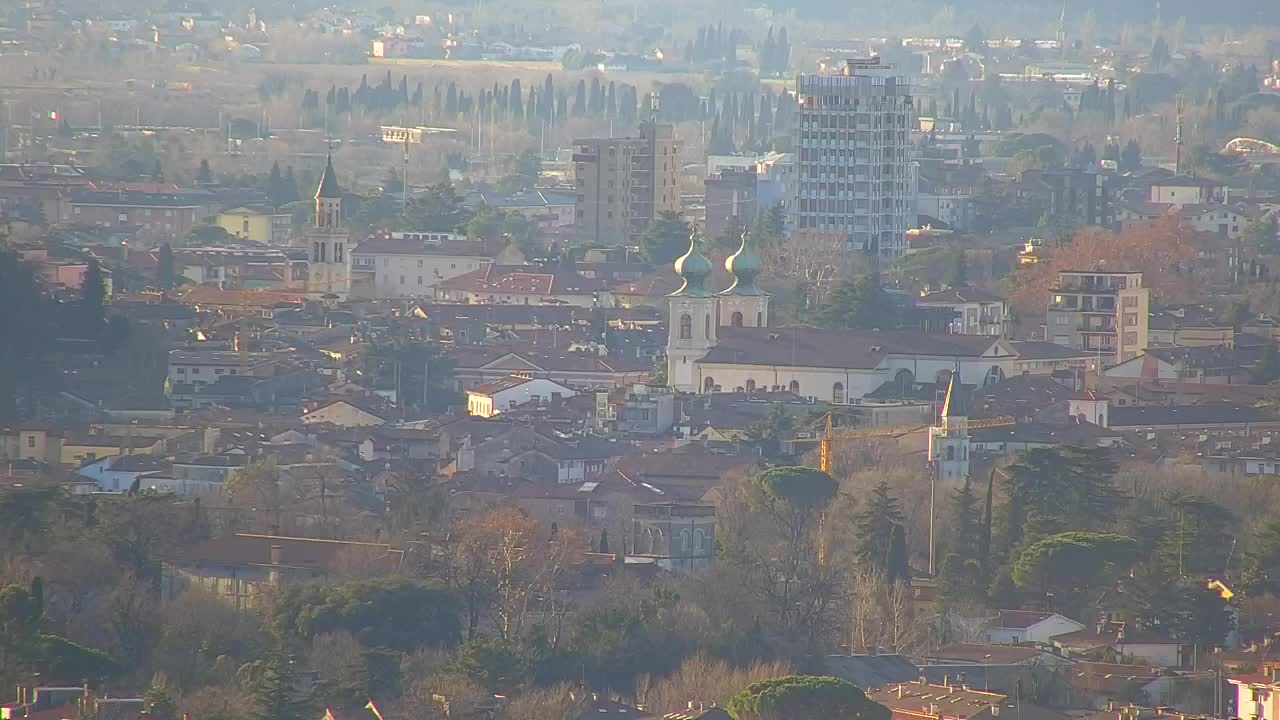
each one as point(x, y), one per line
point(624, 183)
point(328, 266)
point(856, 176)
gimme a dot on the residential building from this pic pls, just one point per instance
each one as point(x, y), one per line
point(1075, 198)
point(47, 185)
point(1257, 693)
point(1115, 638)
point(347, 412)
point(158, 215)
point(730, 200)
point(391, 267)
point(1180, 190)
point(204, 367)
point(31, 442)
point(242, 568)
point(493, 398)
point(549, 208)
point(952, 701)
point(256, 223)
point(493, 284)
point(1012, 627)
point(679, 537)
point(977, 312)
point(855, 169)
point(327, 264)
point(1197, 364)
point(646, 410)
point(1103, 312)
point(624, 183)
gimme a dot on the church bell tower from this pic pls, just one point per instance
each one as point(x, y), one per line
point(328, 266)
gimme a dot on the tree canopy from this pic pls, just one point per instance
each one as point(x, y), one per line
point(804, 697)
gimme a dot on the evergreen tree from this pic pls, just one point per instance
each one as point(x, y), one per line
point(93, 298)
point(963, 571)
point(580, 99)
point(860, 304)
point(275, 689)
point(166, 274)
point(204, 176)
point(1131, 157)
point(880, 536)
point(277, 192)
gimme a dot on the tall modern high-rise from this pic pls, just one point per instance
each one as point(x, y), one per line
point(855, 171)
point(624, 183)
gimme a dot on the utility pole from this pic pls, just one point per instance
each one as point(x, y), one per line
point(1177, 140)
point(404, 178)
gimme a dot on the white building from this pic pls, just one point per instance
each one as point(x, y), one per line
point(1012, 627)
point(405, 267)
point(856, 174)
point(493, 398)
point(977, 312)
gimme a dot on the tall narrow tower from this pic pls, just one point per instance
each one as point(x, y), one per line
point(328, 273)
point(744, 304)
point(691, 326)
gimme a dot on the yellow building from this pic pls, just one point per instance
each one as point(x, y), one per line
point(256, 223)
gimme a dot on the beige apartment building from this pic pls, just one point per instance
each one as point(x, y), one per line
point(624, 183)
point(1105, 313)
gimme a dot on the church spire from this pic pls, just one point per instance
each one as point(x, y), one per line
point(745, 266)
point(328, 187)
point(693, 267)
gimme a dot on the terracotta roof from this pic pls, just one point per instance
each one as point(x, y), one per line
point(257, 299)
point(498, 386)
point(522, 279)
point(812, 347)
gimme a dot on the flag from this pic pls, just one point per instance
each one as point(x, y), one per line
point(53, 114)
point(328, 714)
point(373, 709)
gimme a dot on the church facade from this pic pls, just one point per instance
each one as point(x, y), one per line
point(723, 342)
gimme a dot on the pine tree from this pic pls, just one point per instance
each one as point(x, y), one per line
point(166, 273)
point(93, 298)
point(204, 176)
point(881, 538)
point(963, 571)
point(580, 99)
point(275, 689)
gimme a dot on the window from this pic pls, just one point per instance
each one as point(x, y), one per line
point(699, 539)
point(736, 319)
point(794, 387)
point(751, 385)
point(31, 441)
point(706, 326)
point(686, 327)
point(1061, 319)
point(684, 540)
point(837, 393)
point(708, 385)
point(759, 319)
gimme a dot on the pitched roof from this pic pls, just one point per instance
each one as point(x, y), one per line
point(871, 671)
point(1040, 350)
point(407, 246)
point(296, 552)
point(955, 296)
point(328, 187)
point(1020, 619)
point(497, 386)
point(1137, 416)
point(811, 347)
point(522, 279)
point(985, 654)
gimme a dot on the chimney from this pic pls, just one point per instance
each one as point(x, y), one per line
point(1111, 705)
point(899, 692)
point(277, 555)
point(946, 681)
